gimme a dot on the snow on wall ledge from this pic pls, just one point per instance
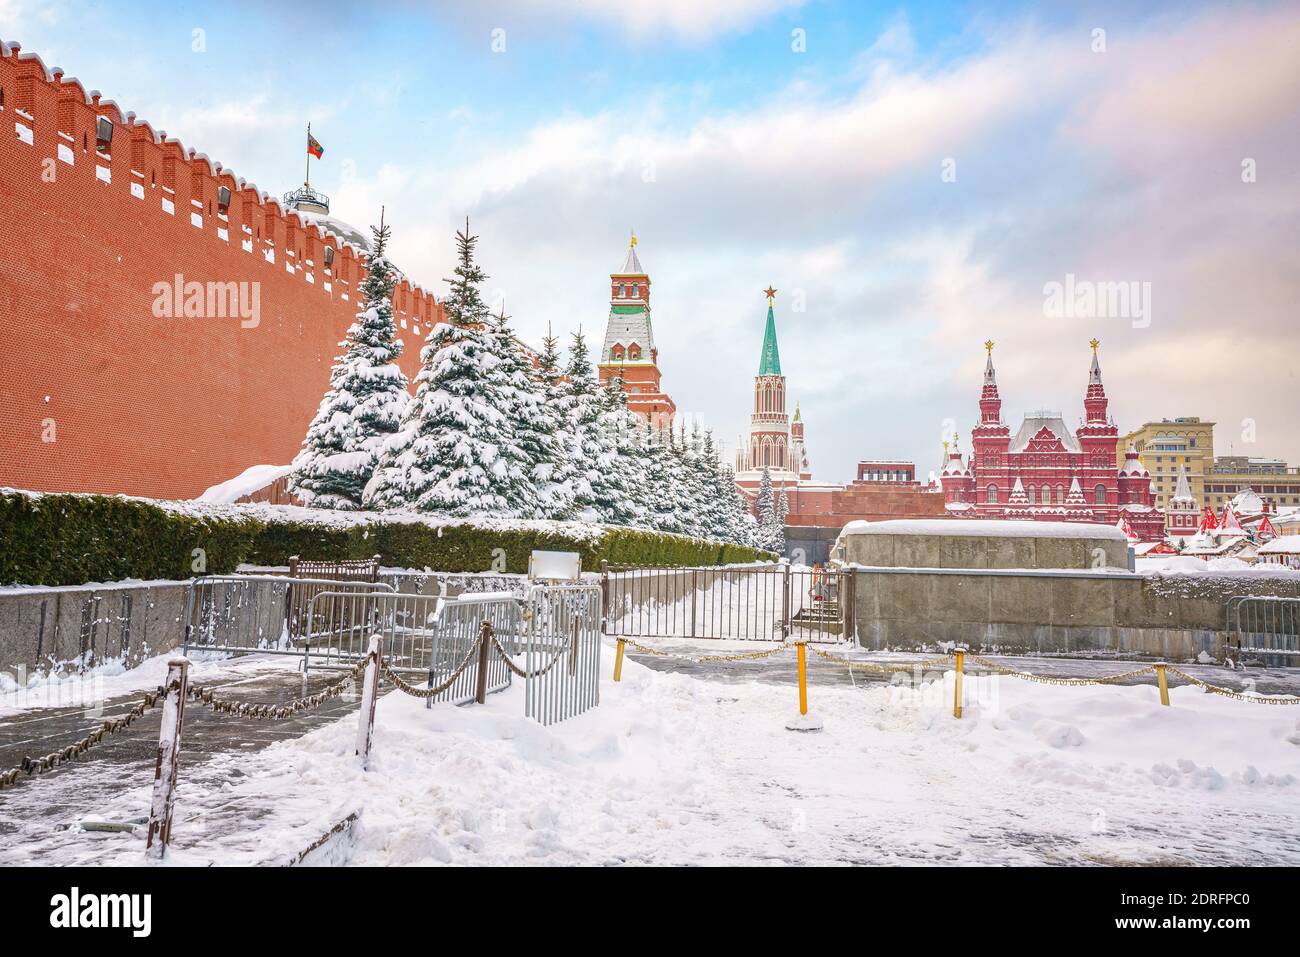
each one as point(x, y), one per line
point(986, 528)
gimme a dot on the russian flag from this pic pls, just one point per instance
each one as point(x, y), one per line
point(314, 147)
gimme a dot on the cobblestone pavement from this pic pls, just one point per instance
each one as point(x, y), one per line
point(45, 812)
point(45, 818)
point(781, 668)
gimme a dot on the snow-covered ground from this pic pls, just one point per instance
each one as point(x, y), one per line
point(678, 769)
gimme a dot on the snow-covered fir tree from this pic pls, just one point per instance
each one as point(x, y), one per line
point(625, 485)
point(456, 451)
point(366, 399)
point(591, 454)
point(554, 394)
point(778, 531)
point(766, 512)
point(741, 525)
point(534, 491)
point(663, 506)
point(722, 492)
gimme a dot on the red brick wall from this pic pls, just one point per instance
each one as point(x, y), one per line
point(163, 407)
point(870, 501)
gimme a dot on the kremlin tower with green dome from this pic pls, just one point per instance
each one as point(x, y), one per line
point(774, 443)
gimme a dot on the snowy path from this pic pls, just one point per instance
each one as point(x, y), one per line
point(676, 769)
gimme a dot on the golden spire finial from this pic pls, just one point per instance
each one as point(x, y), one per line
point(770, 293)
point(945, 446)
point(988, 346)
point(633, 242)
point(1094, 342)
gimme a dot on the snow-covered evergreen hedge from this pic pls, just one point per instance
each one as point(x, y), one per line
point(58, 539)
point(73, 539)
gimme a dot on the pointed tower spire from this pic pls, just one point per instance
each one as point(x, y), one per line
point(1095, 402)
point(770, 359)
point(1183, 490)
point(990, 401)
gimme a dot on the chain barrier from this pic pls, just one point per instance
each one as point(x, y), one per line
point(703, 659)
point(519, 672)
point(243, 709)
point(1229, 693)
point(883, 669)
point(407, 688)
point(1058, 679)
point(34, 766)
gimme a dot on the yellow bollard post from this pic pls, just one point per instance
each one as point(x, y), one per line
point(803, 679)
point(803, 721)
point(956, 692)
point(618, 660)
point(1163, 682)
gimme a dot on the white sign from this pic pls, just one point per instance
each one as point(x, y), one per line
point(555, 566)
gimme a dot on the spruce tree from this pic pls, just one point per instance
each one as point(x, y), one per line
point(456, 452)
point(741, 527)
point(766, 512)
point(365, 402)
point(623, 485)
point(531, 491)
point(589, 454)
point(663, 512)
point(550, 381)
point(778, 531)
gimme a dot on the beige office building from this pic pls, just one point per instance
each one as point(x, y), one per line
point(1189, 441)
point(1272, 479)
point(1164, 445)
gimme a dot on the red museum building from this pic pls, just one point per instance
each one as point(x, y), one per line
point(1047, 472)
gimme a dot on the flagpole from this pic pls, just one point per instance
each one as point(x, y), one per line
point(307, 181)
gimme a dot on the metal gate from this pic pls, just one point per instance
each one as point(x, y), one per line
point(552, 638)
point(424, 636)
point(1266, 628)
point(763, 602)
point(262, 613)
point(561, 651)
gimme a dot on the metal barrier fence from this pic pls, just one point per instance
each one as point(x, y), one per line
point(551, 639)
point(424, 635)
point(767, 602)
point(309, 574)
point(1266, 627)
point(552, 636)
point(257, 613)
point(561, 651)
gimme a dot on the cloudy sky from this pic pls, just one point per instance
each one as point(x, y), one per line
point(911, 177)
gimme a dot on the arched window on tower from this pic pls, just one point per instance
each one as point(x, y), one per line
point(1099, 495)
point(780, 454)
point(616, 353)
point(991, 495)
point(633, 352)
point(1029, 493)
point(1060, 495)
